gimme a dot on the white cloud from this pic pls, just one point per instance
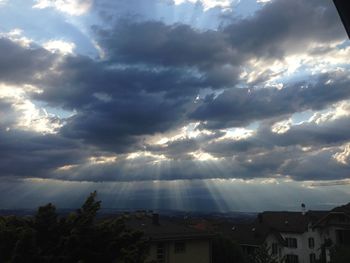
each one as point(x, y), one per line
point(314, 58)
point(71, 7)
point(343, 156)
point(59, 46)
point(102, 159)
point(336, 111)
point(203, 156)
point(236, 134)
point(190, 131)
point(282, 126)
point(147, 157)
point(29, 116)
point(208, 4)
point(16, 35)
point(263, 1)
point(101, 52)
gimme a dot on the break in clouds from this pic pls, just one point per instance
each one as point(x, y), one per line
point(261, 95)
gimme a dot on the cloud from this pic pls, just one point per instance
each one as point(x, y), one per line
point(156, 43)
point(208, 4)
point(172, 102)
point(308, 135)
point(343, 155)
point(71, 7)
point(22, 64)
point(119, 122)
point(263, 1)
point(59, 46)
point(24, 113)
point(238, 107)
point(283, 27)
point(16, 36)
point(28, 154)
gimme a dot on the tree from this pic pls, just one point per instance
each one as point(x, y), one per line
point(79, 237)
point(25, 249)
point(47, 231)
point(340, 254)
point(226, 251)
point(262, 255)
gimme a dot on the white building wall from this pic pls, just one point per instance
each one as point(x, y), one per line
point(303, 250)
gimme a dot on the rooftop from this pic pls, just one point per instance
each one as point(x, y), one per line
point(165, 229)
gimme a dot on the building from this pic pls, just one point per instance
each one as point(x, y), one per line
point(295, 237)
point(172, 242)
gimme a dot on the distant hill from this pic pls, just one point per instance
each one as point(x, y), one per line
point(238, 217)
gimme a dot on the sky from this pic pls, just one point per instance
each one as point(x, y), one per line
point(196, 105)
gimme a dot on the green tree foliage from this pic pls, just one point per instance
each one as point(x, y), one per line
point(78, 237)
point(341, 254)
point(262, 255)
point(226, 250)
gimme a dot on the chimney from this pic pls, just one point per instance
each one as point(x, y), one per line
point(155, 219)
point(303, 210)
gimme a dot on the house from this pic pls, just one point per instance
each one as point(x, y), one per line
point(334, 229)
point(294, 237)
point(172, 242)
point(301, 241)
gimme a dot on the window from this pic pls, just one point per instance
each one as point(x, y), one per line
point(313, 258)
point(160, 253)
point(274, 248)
point(311, 242)
point(291, 242)
point(292, 259)
point(180, 247)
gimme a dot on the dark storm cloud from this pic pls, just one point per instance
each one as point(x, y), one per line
point(19, 64)
point(116, 123)
point(176, 149)
point(319, 166)
point(81, 77)
point(147, 85)
point(307, 134)
point(160, 44)
point(237, 107)
point(312, 134)
point(30, 154)
point(278, 28)
point(285, 26)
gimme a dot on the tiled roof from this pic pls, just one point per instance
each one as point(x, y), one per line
point(290, 222)
point(270, 223)
point(166, 229)
point(343, 208)
point(247, 234)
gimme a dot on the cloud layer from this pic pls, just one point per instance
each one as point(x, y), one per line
point(172, 101)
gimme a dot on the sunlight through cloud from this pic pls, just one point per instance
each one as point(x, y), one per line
point(29, 116)
point(208, 4)
point(59, 46)
point(343, 156)
point(71, 7)
point(203, 156)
